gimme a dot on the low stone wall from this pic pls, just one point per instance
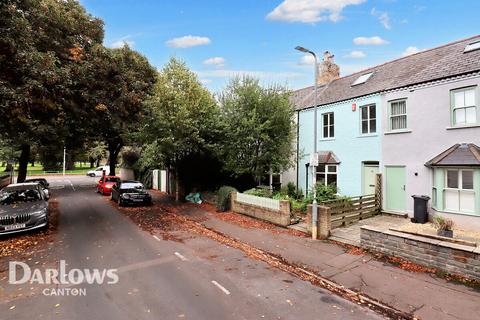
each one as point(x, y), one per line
point(446, 256)
point(4, 181)
point(279, 217)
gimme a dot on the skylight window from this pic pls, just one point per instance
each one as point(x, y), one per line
point(362, 79)
point(472, 46)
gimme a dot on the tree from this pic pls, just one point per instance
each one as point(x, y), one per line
point(182, 123)
point(123, 79)
point(43, 44)
point(259, 126)
point(96, 151)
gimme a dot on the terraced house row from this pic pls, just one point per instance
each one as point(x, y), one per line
point(416, 120)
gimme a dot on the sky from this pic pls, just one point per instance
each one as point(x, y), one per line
point(219, 39)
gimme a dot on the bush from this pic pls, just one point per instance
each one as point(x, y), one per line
point(325, 193)
point(224, 198)
point(442, 223)
point(259, 192)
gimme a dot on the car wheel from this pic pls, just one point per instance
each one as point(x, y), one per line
point(120, 202)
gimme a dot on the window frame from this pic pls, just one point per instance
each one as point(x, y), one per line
point(327, 172)
point(390, 116)
point(330, 125)
point(368, 106)
point(459, 188)
point(453, 121)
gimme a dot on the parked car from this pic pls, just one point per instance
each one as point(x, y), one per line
point(98, 172)
point(105, 184)
point(23, 207)
point(42, 181)
point(130, 192)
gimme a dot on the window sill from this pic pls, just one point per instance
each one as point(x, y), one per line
point(398, 131)
point(464, 127)
point(457, 212)
point(369, 135)
point(327, 139)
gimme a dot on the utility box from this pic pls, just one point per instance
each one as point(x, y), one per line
point(420, 209)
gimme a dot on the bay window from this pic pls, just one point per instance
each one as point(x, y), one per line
point(327, 174)
point(459, 194)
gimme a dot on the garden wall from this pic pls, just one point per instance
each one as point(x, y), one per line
point(271, 210)
point(444, 255)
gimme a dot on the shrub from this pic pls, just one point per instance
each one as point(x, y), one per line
point(443, 224)
point(224, 198)
point(259, 192)
point(291, 190)
point(325, 193)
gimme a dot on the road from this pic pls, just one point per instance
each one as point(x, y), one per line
point(194, 279)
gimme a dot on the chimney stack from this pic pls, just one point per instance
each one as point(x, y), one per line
point(327, 69)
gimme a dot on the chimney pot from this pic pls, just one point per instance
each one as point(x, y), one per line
point(328, 70)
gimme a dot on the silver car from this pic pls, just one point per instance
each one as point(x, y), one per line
point(23, 207)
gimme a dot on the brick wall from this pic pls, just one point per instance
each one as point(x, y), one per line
point(443, 255)
point(281, 217)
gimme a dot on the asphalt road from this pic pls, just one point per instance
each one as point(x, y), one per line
point(158, 279)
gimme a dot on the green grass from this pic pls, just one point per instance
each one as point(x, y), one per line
point(37, 169)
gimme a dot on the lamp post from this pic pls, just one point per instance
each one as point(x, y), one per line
point(314, 155)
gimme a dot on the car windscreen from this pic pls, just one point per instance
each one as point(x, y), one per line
point(131, 186)
point(112, 179)
point(12, 196)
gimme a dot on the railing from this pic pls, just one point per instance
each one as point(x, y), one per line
point(349, 210)
point(258, 201)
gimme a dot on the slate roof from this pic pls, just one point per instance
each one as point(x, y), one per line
point(429, 65)
point(465, 154)
point(327, 157)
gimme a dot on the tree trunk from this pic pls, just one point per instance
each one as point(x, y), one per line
point(177, 187)
point(98, 162)
point(23, 162)
point(114, 148)
point(92, 162)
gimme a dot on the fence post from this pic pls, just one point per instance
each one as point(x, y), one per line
point(325, 222)
point(378, 192)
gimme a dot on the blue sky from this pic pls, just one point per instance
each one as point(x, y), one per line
point(219, 38)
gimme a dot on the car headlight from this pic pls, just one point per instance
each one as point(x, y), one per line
point(41, 212)
point(126, 196)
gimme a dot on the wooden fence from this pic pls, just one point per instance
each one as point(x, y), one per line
point(350, 210)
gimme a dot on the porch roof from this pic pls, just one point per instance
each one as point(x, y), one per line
point(327, 157)
point(460, 154)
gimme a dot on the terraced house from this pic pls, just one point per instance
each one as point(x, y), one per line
point(416, 120)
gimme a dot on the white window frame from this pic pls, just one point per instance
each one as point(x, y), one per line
point(459, 189)
point(368, 106)
point(327, 172)
point(329, 125)
point(453, 107)
point(390, 116)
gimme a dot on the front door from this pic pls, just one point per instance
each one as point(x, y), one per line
point(395, 188)
point(370, 171)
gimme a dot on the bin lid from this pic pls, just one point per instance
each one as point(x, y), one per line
point(423, 197)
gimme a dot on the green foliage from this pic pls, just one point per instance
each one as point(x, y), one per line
point(259, 192)
point(442, 223)
point(258, 128)
point(129, 158)
point(224, 198)
point(326, 192)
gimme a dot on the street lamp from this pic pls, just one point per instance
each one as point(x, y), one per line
point(314, 158)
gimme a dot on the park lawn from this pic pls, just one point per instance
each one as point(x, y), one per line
point(37, 169)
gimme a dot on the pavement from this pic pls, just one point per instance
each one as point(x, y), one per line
point(424, 295)
point(196, 278)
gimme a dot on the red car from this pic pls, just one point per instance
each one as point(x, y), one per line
point(106, 183)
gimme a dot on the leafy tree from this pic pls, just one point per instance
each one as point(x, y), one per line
point(43, 44)
point(259, 128)
point(123, 79)
point(183, 121)
point(97, 150)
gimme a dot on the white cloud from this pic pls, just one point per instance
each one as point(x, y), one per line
point(369, 41)
point(383, 17)
point(205, 81)
point(218, 62)
point(306, 60)
point(356, 54)
point(188, 41)
point(122, 42)
point(410, 50)
point(310, 11)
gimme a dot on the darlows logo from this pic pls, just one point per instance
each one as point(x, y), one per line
point(21, 273)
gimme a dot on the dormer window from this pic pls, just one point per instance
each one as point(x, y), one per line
point(362, 79)
point(472, 46)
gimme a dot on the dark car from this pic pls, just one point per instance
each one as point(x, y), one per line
point(43, 182)
point(23, 207)
point(130, 192)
